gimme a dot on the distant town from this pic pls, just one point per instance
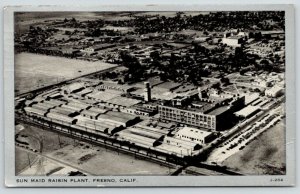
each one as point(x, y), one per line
point(151, 93)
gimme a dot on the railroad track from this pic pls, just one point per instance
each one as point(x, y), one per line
point(103, 143)
point(49, 87)
point(177, 168)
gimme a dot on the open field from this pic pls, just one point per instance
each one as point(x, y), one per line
point(265, 155)
point(171, 13)
point(99, 161)
point(23, 159)
point(93, 159)
point(25, 19)
point(26, 16)
point(118, 28)
point(49, 140)
point(42, 166)
point(40, 140)
point(191, 32)
point(33, 71)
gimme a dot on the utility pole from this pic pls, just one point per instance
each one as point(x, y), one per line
point(41, 144)
point(28, 160)
point(169, 167)
point(59, 142)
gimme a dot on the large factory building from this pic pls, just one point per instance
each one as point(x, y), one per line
point(210, 113)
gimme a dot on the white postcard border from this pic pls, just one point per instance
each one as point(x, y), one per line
point(149, 181)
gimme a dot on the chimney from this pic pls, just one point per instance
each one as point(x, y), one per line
point(147, 92)
point(199, 93)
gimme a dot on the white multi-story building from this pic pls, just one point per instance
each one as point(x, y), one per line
point(274, 91)
point(194, 135)
point(234, 39)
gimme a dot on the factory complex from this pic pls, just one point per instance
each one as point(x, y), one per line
point(185, 121)
point(118, 92)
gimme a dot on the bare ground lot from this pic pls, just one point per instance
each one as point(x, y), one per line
point(25, 19)
point(92, 159)
point(171, 13)
point(99, 161)
point(42, 140)
point(33, 71)
point(42, 166)
point(23, 159)
point(265, 155)
point(118, 28)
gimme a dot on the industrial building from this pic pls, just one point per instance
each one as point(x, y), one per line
point(85, 92)
point(233, 39)
point(179, 142)
point(147, 92)
point(115, 86)
point(64, 111)
point(35, 111)
point(98, 126)
point(122, 102)
point(108, 109)
point(73, 88)
point(93, 112)
point(247, 112)
point(142, 135)
point(121, 118)
point(61, 118)
point(141, 109)
point(78, 105)
point(194, 135)
point(101, 96)
point(274, 91)
point(205, 111)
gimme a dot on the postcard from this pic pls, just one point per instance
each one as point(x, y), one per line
point(161, 95)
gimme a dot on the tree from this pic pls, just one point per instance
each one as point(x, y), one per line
point(73, 20)
point(257, 90)
point(216, 85)
point(225, 80)
point(135, 69)
point(67, 32)
point(264, 62)
point(163, 77)
point(155, 55)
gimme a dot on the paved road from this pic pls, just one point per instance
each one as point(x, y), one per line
point(240, 127)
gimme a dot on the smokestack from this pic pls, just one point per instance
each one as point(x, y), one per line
point(199, 93)
point(147, 92)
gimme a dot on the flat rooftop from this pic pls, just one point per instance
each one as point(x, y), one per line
point(153, 81)
point(169, 85)
point(196, 106)
point(234, 37)
point(102, 95)
point(193, 132)
point(116, 85)
point(218, 110)
point(123, 101)
point(248, 110)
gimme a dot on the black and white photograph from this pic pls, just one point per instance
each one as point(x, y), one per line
point(125, 94)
